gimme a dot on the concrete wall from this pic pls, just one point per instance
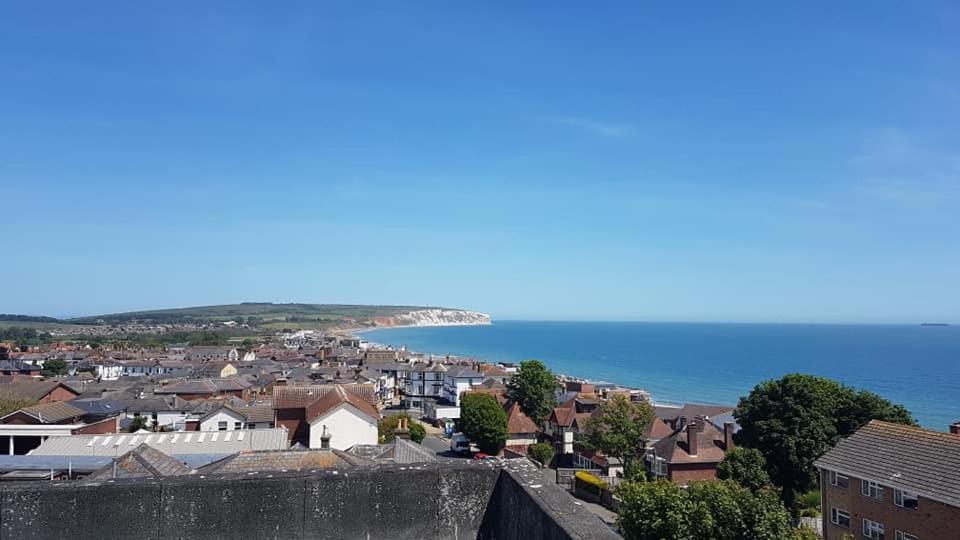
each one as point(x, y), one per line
point(443, 501)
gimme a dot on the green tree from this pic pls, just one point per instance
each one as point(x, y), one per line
point(619, 428)
point(54, 367)
point(717, 509)
point(746, 467)
point(138, 423)
point(654, 510)
point(534, 387)
point(417, 432)
point(542, 452)
point(792, 421)
point(9, 404)
point(483, 421)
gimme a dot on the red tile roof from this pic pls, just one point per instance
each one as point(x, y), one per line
point(518, 421)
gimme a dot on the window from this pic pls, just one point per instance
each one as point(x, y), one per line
point(221, 426)
point(839, 480)
point(238, 425)
point(841, 518)
point(871, 489)
point(905, 499)
point(872, 529)
point(251, 426)
point(272, 425)
point(905, 536)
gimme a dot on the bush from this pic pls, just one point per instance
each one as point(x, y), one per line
point(809, 512)
point(542, 452)
point(597, 485)
point(809, 500)
point(417, 432)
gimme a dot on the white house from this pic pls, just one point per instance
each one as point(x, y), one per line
point(108, 370)
point(348, 419)
point(421, 381)
point(229, 418)
point(457, 380)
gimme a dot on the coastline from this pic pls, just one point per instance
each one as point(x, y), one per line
point(561, 376)
point(362, 329)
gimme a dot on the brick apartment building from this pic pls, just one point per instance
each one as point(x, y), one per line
point(889, 481)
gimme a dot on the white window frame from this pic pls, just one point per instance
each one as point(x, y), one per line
point(900, 494)
point(835, 480)
point(873, 529)
point(900, 535)
point(872, 490)
point(221, 426)
point(835, 517)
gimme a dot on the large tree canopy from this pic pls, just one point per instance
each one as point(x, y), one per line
point(746, 467)
point(718, 509)
point(619, 427)
point(534, 387)
point(792, 421)
point(484, 421)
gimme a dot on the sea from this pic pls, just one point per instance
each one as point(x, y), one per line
point(916, 366)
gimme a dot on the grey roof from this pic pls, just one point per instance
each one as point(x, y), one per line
point(142, 461)
point(397, 451)
point(85, 464)
point(284, 460)
point(174, 443)
point(95, 406)
point(910, 458)
point(463, 373)
point(156, 404)
point(691, 411)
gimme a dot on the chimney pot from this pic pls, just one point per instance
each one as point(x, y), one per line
point(955, 428)
point(693, 444)
point(728, 436)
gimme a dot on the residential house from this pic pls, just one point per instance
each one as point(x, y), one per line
point(691, 452)
point(38, 391)
point(97, 409)
point(291, 403)
point(167, 411)
point(216, 370)
point(227, 417)
point(141, 368)
point(521, 429)
point(421, 381)
point(19, 367)
point(457, 380)
point(106, 369)
point(564, 427)
point(212, 354)
point(341, 419)
point(892, 481)
point(198, 389)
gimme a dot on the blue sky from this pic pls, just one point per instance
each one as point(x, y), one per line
point(664, 161)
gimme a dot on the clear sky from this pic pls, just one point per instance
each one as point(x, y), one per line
point(724, 161)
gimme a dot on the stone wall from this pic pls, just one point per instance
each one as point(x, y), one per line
point(444, 501)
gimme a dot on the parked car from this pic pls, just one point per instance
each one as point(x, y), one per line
point(459, 443)
point(481, 455)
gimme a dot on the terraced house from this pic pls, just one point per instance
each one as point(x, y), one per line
point(889, 481)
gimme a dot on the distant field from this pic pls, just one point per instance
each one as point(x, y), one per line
point(270, 315)
point(39, 326)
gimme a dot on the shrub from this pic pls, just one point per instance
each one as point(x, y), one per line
point(542, 452)
point(417, 432)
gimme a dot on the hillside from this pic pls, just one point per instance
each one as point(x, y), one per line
point(260, 312)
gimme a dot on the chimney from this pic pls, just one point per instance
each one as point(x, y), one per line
point(325, 439)
point(693, 445)
point(403, 429)
point(955, 428)
point(728, 436)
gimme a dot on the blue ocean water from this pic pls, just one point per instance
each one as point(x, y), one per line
point(917, 366)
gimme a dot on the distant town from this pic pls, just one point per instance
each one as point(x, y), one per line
point(103, 402)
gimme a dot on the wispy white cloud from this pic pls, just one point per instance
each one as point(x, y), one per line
point(606, 129)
